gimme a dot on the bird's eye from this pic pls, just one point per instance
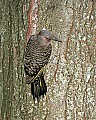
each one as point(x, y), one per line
point(48, 38)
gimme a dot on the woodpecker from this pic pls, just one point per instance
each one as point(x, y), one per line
point(37, 54)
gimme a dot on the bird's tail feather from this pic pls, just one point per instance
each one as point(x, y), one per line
point(38, 87)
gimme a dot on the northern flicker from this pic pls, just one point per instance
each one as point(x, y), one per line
point(37, 54)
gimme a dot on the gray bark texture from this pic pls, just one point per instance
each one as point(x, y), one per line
point(71, 72)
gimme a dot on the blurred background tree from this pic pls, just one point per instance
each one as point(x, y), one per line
point(70, 74)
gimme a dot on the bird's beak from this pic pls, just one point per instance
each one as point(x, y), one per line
point(55, 39)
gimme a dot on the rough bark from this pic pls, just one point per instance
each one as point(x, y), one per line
point(70, 74)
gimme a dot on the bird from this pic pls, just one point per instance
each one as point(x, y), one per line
point(37, 54)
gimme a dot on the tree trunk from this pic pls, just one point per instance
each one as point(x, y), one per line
point(70, 74)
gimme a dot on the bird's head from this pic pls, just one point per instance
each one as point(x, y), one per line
point(44, 37)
